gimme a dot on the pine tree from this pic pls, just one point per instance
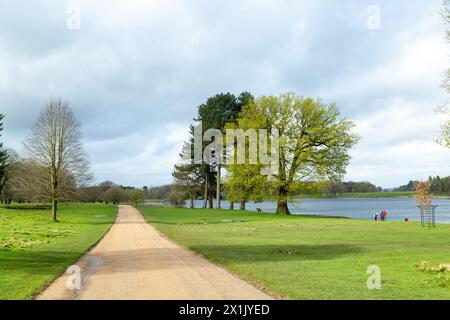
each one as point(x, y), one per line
point(216, 113)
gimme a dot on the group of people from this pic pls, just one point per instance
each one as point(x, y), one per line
point(380, 216)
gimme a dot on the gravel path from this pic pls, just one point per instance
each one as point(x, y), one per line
point(136, 262)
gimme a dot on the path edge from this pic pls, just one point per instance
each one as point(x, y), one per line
point(255, 283)
point(79, 259)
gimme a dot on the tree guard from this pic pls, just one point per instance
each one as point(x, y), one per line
point(428, 216)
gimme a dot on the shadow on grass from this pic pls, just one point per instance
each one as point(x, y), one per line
point(90, 223)
point(258, 253)
point(26, 207)
point(35, 262)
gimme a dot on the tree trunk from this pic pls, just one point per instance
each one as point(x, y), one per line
point(231, 205)
point(54, 198)
point(191, 197)
point(205, 196)
point(242, 207)
point(54, 208)
point(218, 187)
point(282, 206)
point(211, 204)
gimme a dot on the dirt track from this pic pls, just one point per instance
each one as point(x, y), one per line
point(134, 261)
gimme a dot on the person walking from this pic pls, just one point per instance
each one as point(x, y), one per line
point(385, 215)
point(375, 216)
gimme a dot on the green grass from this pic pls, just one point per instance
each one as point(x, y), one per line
point(300, 257)
point(34, 250)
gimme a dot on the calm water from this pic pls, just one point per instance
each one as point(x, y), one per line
point(398, 209)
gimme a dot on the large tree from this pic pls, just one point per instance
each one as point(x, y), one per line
point(216, 113)
point(314, 140)
point(3, 160)
point(55, 144)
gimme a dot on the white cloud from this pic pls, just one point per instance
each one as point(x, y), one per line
point(140, 158)
point(397, 144)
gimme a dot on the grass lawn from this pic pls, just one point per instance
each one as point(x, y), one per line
point(301, 257)
point(34, 250)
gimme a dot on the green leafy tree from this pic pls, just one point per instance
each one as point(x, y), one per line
point(215, 113)
point(245, 183)
point(314, 140)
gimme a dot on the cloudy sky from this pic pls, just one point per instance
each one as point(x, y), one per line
point(135, 71)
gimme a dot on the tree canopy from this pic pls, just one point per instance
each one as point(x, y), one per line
point(314, 141)
point(215, 113)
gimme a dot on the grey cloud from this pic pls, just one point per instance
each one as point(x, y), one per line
point(134, 67)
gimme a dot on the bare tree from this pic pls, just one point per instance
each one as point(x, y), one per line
point(55, 145)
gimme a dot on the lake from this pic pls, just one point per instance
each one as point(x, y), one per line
point(398, 208)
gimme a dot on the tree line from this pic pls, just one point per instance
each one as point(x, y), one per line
point(437, 185)
point(109, 192)
point(314, 143)
point(351, 187)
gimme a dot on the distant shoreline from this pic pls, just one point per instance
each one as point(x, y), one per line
point(372, 195)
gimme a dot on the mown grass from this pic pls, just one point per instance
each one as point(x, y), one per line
point(34, 250)
point(304, 257)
